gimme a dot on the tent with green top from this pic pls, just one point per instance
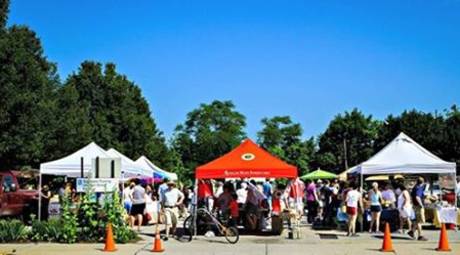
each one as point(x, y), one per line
point(319, 174)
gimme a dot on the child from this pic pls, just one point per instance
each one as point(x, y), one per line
point(234, 211)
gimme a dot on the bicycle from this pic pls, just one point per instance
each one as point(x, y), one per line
point(205, 220)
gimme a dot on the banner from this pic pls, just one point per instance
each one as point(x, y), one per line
point(97, 185)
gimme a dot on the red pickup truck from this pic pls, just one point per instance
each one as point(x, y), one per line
point(17, 195)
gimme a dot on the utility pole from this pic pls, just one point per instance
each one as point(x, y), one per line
point(345, 153)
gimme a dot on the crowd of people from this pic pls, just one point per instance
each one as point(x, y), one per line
point(145, 204)
point(251, 204)
point(325, 202)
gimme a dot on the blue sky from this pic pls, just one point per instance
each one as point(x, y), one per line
point(307, 59)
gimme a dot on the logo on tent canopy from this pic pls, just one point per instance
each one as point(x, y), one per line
point(248, 156)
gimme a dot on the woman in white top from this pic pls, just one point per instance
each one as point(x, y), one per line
point(375, 198)
point(406, 212)
point(353, 199)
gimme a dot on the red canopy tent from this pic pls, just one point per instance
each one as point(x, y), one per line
point(245, 161)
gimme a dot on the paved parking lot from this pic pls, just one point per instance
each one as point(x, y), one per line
point(310, 243)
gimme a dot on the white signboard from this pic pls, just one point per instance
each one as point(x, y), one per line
point(97, 185)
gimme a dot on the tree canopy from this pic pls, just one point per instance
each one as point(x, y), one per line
point(283, 138)
point(28, 82)
point(43, 118)
point(209, 131)
point(98, 104)
point(348, 140)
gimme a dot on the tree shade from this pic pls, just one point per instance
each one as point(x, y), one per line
point(319, 174)
point(245, 161)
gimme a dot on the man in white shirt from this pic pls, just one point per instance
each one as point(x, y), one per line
point(172, 198)
point(242, 193)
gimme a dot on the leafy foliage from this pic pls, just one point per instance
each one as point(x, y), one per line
point(27, 85)
point(348, 140)
point(47, 231)
point(69, 222)
point(283, 138)
point(88, 218)
point(208, 132)
point(115, 214)
point(12, 231)
point(109, 109)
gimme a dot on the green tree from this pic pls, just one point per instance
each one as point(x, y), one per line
point(348, 140)
point(208, 132)
point(425, 128)
point(99, 104)
point(451, 139)
point(28, 82)
point(4, 9)
point(283, 138)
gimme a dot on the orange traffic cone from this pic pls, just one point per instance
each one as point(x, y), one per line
point(109, 242)
point(157, 243)
point(387, 245)
point(443, 240)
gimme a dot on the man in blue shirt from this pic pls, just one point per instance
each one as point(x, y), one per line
point(267, 189)
point(418, 195)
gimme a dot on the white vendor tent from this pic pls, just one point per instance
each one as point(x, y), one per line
point(129, 168)
point(144, 161)
point(71, 165)
point(404, 156)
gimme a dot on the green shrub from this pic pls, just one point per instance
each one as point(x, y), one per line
point(12, 231)
point(69, 223)
point(47, 231)
point(115, 214)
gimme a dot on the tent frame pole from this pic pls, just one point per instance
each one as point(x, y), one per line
point(194, 208)
point(39, 197)
point(362, 191)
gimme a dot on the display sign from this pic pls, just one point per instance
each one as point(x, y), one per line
point(97, 185)
point(103, 167)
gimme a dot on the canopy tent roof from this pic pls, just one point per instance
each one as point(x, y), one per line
point(129, 168)
point(383, 177)
point(71, 165)
point(158, 172)
point(319, 174)
point(343, 176)
point(404, 156)
point(245, 161)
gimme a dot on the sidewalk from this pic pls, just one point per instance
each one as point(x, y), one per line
point(311, 243)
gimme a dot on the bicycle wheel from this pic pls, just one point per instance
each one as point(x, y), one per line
point(186, 235)
point(232, 235)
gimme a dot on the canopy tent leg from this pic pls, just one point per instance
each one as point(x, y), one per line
point(194, 208)
point(362, 191)
point(39, 197)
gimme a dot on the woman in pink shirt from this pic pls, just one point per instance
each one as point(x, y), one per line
point(312, 199)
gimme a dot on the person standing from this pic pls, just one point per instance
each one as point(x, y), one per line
point(457, 190)
point(388, 196)
point(162, 188)
point(375, 198)
point(172, 199)
point(138, 198)
point(406, 212)
point(353, 199)
point(268, 190)
point(312, 199)
point(46, 196)
point(418, 195)
point(127, 202)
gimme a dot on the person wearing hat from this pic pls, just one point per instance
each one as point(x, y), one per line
point(172, 198)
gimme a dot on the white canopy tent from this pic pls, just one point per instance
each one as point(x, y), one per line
point(145, 162)
point(404, 156)
point(129, 168)
point(70, 165)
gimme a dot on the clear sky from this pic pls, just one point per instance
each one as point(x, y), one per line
point(307, 59)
